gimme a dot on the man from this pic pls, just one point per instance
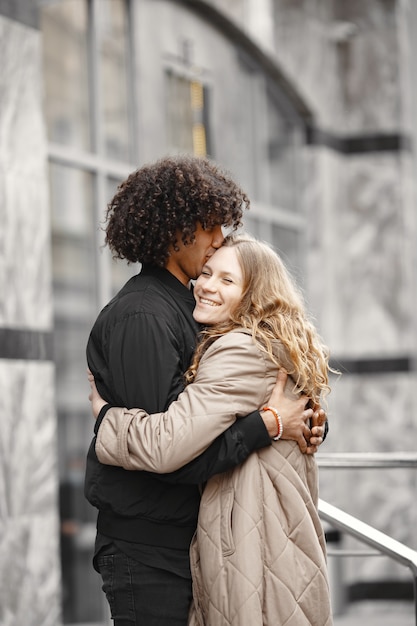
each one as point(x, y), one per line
point(168, 216)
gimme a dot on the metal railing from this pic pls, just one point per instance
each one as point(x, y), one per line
point(382, 543)
point(351, 460)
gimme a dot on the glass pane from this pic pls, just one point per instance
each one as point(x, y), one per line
point(287, 242)
point(64, 29)
point(281, 157)
point(245, 137)
point(187, 115)
point(198, 94)
point(112, 31)
point(179, 113)
point(74, 280)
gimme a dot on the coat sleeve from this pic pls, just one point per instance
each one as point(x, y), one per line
point(227, 451)
point(231, 382)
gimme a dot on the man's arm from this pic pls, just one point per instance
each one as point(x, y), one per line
point(231, 448)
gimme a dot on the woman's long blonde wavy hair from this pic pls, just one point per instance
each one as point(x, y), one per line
point(273, 308)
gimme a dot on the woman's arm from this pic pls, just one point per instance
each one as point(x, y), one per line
point(232, 381)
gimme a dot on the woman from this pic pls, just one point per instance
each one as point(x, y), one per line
point(258, 556)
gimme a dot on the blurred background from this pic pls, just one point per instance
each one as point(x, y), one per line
point(311, 105)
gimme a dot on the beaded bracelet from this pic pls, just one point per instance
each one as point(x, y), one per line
point(278, 420)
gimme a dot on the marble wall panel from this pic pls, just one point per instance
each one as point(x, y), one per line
point(25, 275)
point(29, 525)
point(343, 58)
point(360, 261)
point(25, 280)
point(373, 406)
point(306, 51)
point(22, 128)
point(374, 300)
point(360, 277)
point(29, 572)
point(368, 66)
point(29, 544)
point(320, 196)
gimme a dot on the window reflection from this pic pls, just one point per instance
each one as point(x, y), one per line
point(287, 242)
point(113, 54)
point(281, 155)
point(74, 280)
point(64, 29)
point(179, 113)
point(187, 115)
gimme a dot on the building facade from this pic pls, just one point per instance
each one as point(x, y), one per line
point(311, 106)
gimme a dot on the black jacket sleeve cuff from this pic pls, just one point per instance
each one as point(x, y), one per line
point(100, 417)
point(253, 429)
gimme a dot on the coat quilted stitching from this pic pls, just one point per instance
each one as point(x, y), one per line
point(276, 573)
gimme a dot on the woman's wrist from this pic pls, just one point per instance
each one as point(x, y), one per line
point(273, 422)
point(278, 421)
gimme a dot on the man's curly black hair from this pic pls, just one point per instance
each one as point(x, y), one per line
point(171, 195)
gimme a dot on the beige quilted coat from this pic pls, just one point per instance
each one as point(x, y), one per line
point(258, 556)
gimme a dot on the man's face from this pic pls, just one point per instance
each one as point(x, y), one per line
point(187, 263)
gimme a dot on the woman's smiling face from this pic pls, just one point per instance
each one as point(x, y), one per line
point(219, 288)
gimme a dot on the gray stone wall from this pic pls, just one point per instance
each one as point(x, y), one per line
point(29, 544)
point(361, 269)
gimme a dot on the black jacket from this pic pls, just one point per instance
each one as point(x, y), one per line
point(138, 350)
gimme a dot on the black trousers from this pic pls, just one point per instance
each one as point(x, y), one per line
point(140, 595)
